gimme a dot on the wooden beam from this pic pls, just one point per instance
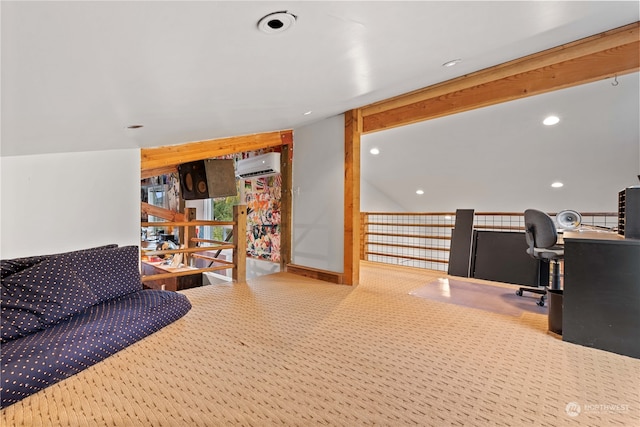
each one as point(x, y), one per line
point(163, 213)
point(162, 157)
point(614, 52)
point(166, 170)
point(353, 131)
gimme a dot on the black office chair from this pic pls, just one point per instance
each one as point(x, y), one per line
point(541, 235)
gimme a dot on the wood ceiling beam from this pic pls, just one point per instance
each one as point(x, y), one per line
point(168, 157)
point(166, 170)
point(614, 52)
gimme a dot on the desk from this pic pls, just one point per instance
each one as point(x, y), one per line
point(602, 292)
point(502, 256)
point(173, 283)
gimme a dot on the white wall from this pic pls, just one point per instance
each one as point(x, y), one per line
point(318, 195)
point(60, 202)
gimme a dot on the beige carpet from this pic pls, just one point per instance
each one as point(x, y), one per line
point(289, 351)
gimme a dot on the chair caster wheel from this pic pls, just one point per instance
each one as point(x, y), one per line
point(519, 292)
point(540, 303)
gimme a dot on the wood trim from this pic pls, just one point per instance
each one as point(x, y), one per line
point(363, 232)
point(159, 276)
point(239, 274)
point(353, 131)
point(188, 233)
point(412, 213)
point(189, 250)
point(166, 170)
point(163, 213)
point(418, 236)
point(212, 259)
point(614, 52)
point(409, 224)
point(286, 205)
point(415, 258)
point(397, 245)
point(185, 222)
point(155, 158)
point(315, 273)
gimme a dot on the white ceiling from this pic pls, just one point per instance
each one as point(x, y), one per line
point(76, 74)
point(502, 158)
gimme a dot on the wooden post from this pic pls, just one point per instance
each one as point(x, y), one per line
point(189, 233)
point(364, 218)
point(240, 241)
point(285, 206)
point(352, 134)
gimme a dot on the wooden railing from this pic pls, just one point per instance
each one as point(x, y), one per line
point(191, 246)
point(423, 239)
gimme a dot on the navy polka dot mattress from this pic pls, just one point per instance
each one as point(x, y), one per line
point(63, 313)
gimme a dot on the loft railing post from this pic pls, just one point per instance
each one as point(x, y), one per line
point(189, 232)
point(240, 242)
point(363, 228)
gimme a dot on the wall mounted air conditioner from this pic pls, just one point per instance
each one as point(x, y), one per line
point(258, 166)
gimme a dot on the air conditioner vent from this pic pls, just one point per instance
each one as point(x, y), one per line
point(258, 166)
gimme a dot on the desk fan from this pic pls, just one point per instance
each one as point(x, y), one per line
point(568, 219)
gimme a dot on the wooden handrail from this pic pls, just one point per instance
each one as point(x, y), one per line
point(239, 244)
point(163, 213)
point(409, 224)
point(399, 245)
point(407, 235)
point(213, 260)
point(217, 242)
point(193, 223)
point(181, 273)
point(188, 250)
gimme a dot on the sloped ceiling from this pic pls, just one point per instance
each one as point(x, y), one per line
point(502, 158)
point(76, 74)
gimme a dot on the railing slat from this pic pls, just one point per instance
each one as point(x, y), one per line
point(398, 242)
point(238, 246)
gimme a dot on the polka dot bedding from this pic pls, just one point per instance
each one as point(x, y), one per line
point(67, 314)
point(109, 273)
point(42, 295)
point(11, 266)
point(54, 287)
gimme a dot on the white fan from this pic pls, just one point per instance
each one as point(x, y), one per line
point(568, 219)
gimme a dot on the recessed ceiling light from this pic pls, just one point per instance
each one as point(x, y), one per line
point(375, 151)
point(276, 22)
point(557, 184)
point(135, 126)
point(452, 62)
point(306, 113)
point(551, 120)
point(420, 192)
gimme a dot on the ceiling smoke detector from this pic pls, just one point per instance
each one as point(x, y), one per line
point(276, 22)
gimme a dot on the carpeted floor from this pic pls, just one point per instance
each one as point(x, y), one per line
point(284, 350)
point(497, 299)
